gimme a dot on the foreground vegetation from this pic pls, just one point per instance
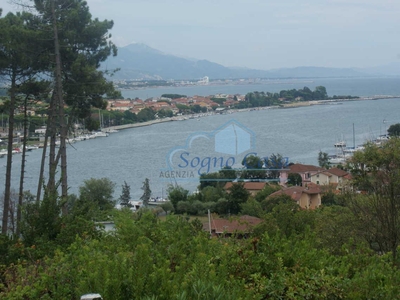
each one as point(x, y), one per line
point(345, 249)
point(147, 259)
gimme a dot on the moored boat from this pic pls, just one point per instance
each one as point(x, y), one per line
point(3, 153)
point(32, 147)
point(100, 134)
point(337, 159)
point(340, 144)
point(16, 151)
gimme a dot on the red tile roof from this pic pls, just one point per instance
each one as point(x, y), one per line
point(299, 168)
point(326, 173)
point(244, 225)
point(338, 172)
point(251, 186)
point(348, 176)
point(295, 192)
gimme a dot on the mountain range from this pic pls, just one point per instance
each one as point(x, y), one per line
point(139, 61)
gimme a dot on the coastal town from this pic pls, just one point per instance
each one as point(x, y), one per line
point(121, 111)
point(127, 113)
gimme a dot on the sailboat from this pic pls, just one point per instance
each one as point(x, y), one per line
point(351, 150)
point(100, 133)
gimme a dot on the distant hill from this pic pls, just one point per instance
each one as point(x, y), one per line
point(392, 69)
point(139, 61)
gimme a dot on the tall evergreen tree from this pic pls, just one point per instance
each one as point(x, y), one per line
point(126, 194)
point(19, 62)
point(146, 192)
point(78, 46)
point(323, 160)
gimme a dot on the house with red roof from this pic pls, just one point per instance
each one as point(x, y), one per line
point(180, 101)
point(120, 106)
point(226, 227)
point(306, 197)
point(252, 186)
point(160, 105)
point(334, 177)
point(305, 171)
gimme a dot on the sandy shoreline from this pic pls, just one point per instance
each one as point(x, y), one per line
point(141, 124)
point(289, 105)
point(333, 101)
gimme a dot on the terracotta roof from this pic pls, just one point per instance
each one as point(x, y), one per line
point(338, 172)
point(312, 190)
point(295, 192)
point(348, 176)
point(323, 172)
point(299, 168)
point(250, 185)
point(244, 224)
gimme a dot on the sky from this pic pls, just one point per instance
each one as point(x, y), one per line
point(260, 34)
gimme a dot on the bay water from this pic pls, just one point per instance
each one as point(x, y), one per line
point(134, 154)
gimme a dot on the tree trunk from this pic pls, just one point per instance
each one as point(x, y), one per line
point(52, 128)
point(42, 164)
point(22, 176)
point(60, 102)
point(7, 191)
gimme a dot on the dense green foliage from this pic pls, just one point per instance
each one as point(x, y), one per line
point(346, 249)
point(260, 99)
point(376, 173)
point(256, 167)
point(173, 96)
point(394, 130)
point(220, 101)
point(165, 113)
point(146, 114)
point(218, 179)
point(294, 179)
point(293, 255)
point(190, 109)
point(323, 160)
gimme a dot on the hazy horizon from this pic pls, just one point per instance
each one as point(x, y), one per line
point(259, 35)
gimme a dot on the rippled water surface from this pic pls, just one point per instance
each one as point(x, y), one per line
point(137, 153)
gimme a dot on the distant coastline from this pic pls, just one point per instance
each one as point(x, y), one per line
point(282, 106)
point(363, 87)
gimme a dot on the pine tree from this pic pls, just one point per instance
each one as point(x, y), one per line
point(19, 62)
point(146, 192)
point(323, 160)
point(78, 45)
point(126, 194)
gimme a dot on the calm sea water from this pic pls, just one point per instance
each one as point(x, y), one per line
point(339, 86)
point(300, 133)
